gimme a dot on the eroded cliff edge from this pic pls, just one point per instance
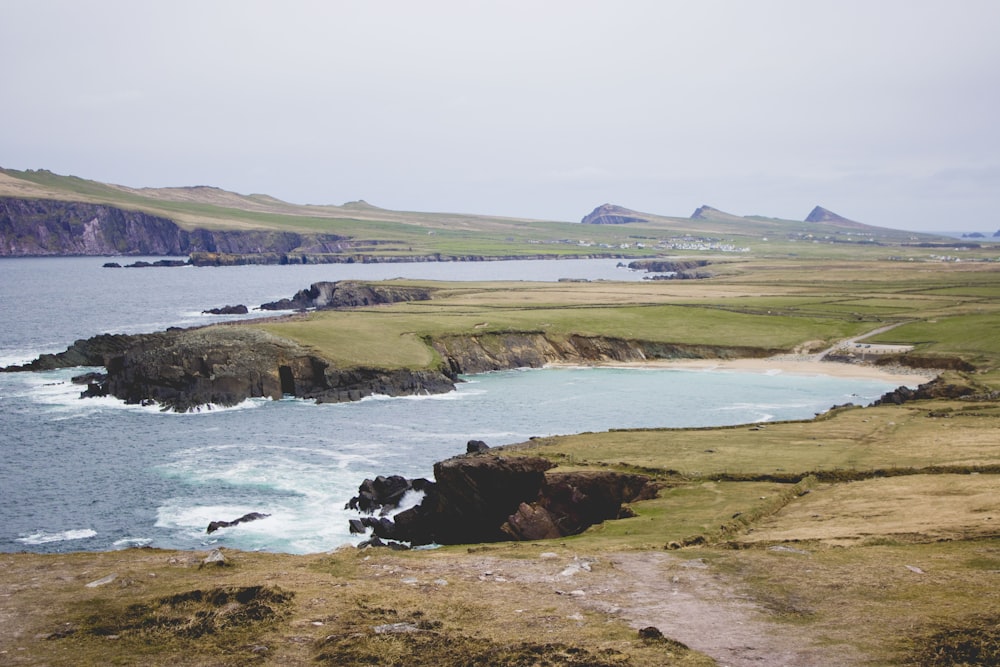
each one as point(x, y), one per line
point(47, 227)
point(225, 365)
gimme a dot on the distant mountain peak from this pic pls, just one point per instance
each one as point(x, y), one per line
point(706, 212)
point(820, 214)
point(612, 214)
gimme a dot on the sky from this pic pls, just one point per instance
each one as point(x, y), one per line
point(884, 111)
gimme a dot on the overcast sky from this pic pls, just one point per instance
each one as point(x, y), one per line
point(884, 111)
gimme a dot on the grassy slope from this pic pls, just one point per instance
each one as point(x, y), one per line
point(773, 306)
point(415, 233)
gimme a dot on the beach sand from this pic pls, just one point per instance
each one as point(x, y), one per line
point(791, 364)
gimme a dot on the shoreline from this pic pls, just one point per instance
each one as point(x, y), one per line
point(790, 364)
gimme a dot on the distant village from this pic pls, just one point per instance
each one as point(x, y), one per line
point(686, 243)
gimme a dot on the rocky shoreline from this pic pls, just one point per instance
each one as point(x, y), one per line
point(484, 496)
point(223, 365)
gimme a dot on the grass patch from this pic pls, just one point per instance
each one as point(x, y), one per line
point(974, 640)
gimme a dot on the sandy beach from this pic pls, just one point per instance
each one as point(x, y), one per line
point(792, 364)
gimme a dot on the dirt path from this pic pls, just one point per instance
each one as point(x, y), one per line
point(687, 600)
point(691, 603)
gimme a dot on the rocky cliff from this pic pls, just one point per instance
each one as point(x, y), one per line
point(479, 353)
point(492, 498)
point(182, 369)
point(348, 294)
point(39, 227)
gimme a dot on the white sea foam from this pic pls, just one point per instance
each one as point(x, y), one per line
point(409, 500)
point(207, 408)
point(43, 537)
point(128, 542)
point(275, 466)
point(17, 357)
point(292, 526)
point(449, 396)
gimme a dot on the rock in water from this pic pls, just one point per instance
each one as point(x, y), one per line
point(252, 516)
point(227, 310)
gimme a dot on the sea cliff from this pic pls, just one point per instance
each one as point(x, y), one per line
point(183, 369)
point(48, 227)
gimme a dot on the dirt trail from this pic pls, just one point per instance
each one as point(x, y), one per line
point(687, 600)
point(691, 603)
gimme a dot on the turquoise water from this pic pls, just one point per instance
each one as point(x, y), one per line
point(88, 474)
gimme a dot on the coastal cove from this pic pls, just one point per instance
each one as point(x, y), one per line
point(96, 474)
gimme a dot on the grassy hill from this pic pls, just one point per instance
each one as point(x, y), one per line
point(427, 234)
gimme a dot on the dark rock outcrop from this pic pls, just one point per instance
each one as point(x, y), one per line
point(476, 447)
point(471, 499)
point(252, 516)
point(577, 500)
point(488, 498)
point(348, 294)
point(95, 351)
point(936, 388)
point(227, 310)
point(384, 493)
point(182, 370)
point(158, 264)
point(610, 214)
point(667, 265)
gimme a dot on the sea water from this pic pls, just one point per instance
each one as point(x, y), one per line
point(87, 474)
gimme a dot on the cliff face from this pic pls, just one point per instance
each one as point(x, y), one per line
point(39, 227)
point(48, 227)
point(500, 351)
point(491, 498)
point(348, 294)
point(226, 365)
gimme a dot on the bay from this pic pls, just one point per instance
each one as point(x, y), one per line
point(97, 474)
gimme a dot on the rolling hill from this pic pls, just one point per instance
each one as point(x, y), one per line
point(223, 221)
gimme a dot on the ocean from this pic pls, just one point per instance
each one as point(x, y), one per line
point(96, 474)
